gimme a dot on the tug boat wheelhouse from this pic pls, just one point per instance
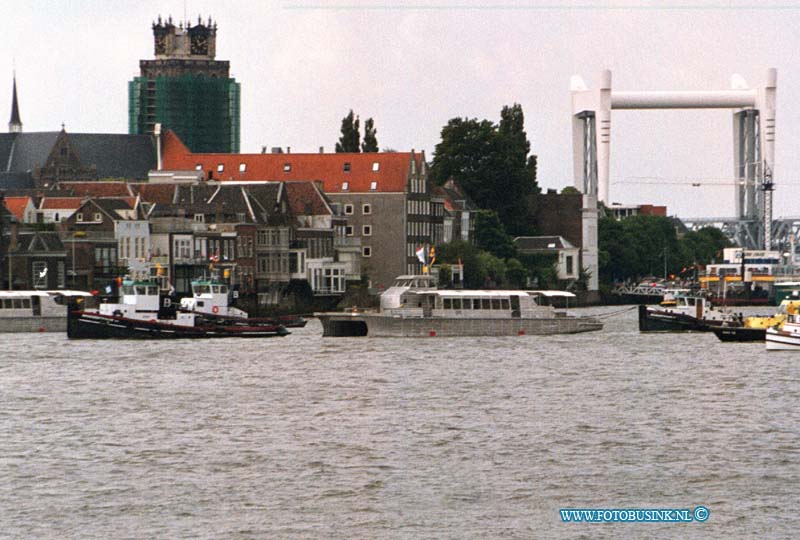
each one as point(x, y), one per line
point(143, 313)
point(414, 307)
point(35, 311)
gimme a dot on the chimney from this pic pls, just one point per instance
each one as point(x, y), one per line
point(321, 149)
point(263, 149)
point(277, 150)
point(288, 149)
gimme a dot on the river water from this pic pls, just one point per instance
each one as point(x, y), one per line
point(312, 438)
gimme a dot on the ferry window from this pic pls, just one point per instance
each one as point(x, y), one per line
point(6, 303)
point(127, 289)
point(200, 303)
point(140, 289)
point(495, 303)
point(17, 303)
point(485, 304)
point(476, 303)
point(456, 303)
point(152, 290)
point(223, 289)
point(215, 289)
point(202, 289)
point(26, 303)
point(506, 304)
point(448, 304)
point(467, 303)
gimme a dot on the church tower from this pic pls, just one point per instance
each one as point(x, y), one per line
point(186, 89)
point(15, 124)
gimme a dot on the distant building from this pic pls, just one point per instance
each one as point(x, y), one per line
point(619, 211)
point(186, 90)
point(22, 207)
point(458, 213)
point(566, 256)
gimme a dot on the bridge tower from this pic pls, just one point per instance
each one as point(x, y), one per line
point(753, 140)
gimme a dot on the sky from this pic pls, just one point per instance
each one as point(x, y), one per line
point(414, 65)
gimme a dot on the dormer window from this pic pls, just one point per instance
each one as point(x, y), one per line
point(242, 167)
point(78, 217)
point(347, 167)
point(375, 166)
point(97, 216)
point(287, 167)
point(345, 186)
point(220, 167)
point(373, 185)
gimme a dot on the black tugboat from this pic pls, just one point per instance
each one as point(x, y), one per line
point(690, 314)
point(739, 333)
point(145, 314)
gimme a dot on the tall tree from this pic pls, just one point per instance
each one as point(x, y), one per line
point(370, 142)
point(492, 164)
point(349, 140)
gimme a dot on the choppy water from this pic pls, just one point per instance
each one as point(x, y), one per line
point(305, 437)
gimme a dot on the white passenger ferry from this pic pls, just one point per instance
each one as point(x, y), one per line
point(414, 307)
point(35, 311)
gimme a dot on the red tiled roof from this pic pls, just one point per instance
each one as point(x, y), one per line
point(305, 200)
point(97, 189)
point(155, 193)
point(391, 176)
point(61, 203)
point(17, 206)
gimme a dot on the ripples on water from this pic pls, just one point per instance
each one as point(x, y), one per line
point(305, 437)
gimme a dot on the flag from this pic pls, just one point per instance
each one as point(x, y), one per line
point(421, 254)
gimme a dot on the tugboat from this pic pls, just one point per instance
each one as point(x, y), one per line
point(754, 328)
point(210, 299)
point(143, 313)
point(690, 313)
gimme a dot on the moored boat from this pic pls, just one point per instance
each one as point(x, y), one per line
point(143, 313)
point(785, 337)
point(414, 307)
point(689, 314)
point(754, 328)
point(36, 310)
point(210, 299)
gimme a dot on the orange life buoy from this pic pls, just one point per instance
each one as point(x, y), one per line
point(215, 309)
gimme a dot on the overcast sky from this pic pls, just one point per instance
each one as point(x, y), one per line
point(412, 67)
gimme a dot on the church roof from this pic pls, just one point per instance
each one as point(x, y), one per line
point(15, 107)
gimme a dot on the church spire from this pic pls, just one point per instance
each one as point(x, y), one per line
point(15, 124)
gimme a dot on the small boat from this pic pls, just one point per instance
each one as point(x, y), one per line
point(785, 337)
point(210, 299)
point(754, 328)
point(690, 313)
point(143, 313)
point(414, 307)
point(36, 310)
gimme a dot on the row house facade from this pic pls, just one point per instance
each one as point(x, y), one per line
point(384, 198)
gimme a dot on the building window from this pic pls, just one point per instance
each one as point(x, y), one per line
point(348, 230)
point(242, 167)
point(78, 217)
point(345, 186)
point(366, 230)
point(347, 167)
point(200, 218)
point(366, 209)
point(366, 251)
point(569, 264)
point(38, 268)
point(373, 185)
point(348, 209)
point(375, 166)
point(220, 167)
point(287, 167)
point(198, 167)
point(97, 217)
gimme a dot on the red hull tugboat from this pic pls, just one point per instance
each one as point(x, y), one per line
point(144, 314)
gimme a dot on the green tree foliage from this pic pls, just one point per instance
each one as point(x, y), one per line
point(492, 164)
point(370, 142)
point(570, 190)
point(490, 235)
point(349, 140)
point(641, 246)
